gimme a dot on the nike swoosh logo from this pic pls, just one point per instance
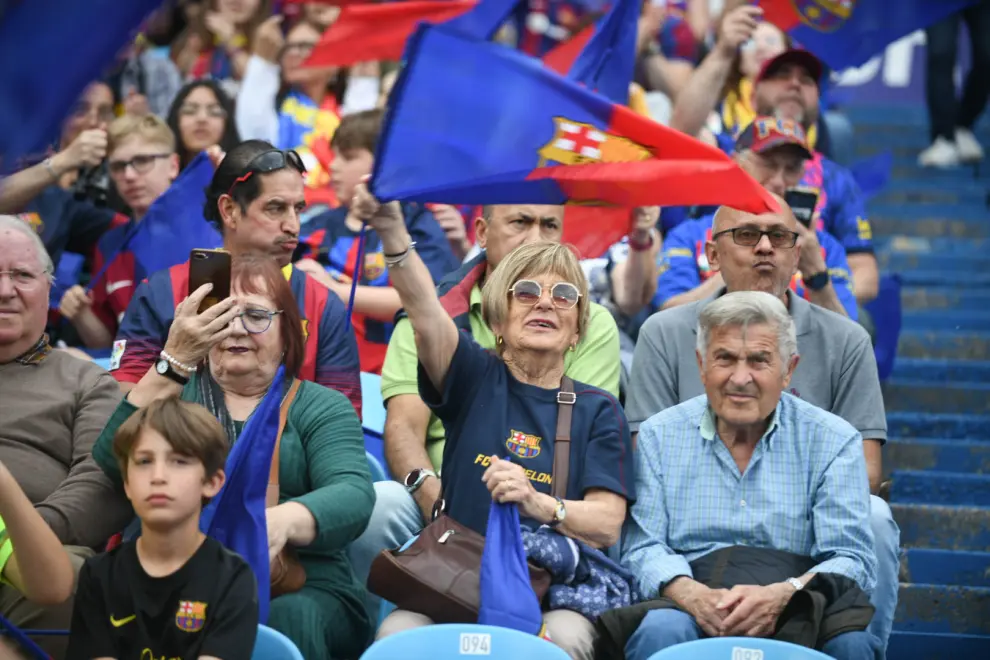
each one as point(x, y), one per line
point(117, 623)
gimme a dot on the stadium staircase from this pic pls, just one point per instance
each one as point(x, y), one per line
point(933, 229)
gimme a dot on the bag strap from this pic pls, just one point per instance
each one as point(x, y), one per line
point(562, 443)
point(566, 398)
point(283, 416)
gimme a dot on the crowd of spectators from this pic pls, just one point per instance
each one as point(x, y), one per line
point(726, 406)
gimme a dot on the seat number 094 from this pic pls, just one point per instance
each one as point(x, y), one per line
point(739, 653)
point(476, 644)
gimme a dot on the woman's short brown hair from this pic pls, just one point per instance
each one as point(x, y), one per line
point(530, 260)
point(188, 427)
point(262, 276)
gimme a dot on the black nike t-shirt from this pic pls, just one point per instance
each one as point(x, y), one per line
point(207, 607)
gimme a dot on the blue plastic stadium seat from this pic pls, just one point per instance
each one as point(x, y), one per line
point(738, 648)
point(377, 471)
point(273, 645)
point(450, 641)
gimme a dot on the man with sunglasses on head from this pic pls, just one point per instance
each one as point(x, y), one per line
point(837, 371)
point(142, 163)
point(773, 151)
point(254, 200)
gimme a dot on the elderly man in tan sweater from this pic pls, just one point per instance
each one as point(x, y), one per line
point(52, 408)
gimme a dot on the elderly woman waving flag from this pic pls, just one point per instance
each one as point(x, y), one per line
point(500, 410)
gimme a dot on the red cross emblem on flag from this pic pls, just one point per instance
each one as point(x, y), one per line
point(575, 143)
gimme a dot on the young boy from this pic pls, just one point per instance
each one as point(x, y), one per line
point(142, 163)
point(172, 593)
point(331, 241)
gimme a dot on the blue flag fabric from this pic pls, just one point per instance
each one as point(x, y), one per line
point(173, 226)
point(507, 597)
point(49, 51)
point(236, 516)
point(847, 33)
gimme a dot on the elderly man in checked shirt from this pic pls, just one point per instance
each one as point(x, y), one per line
point(745, 464)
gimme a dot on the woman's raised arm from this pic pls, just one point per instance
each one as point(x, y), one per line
point(436, 334)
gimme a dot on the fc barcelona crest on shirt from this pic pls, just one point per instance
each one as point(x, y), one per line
point(824, 15)
point(575, 143)
point(190, 616)
point(523, 445)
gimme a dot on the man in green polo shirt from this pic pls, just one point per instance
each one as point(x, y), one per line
point(414, 438)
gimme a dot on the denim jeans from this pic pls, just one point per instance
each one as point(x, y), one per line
point(886, 543)
point(662, 629)
point(395, 519)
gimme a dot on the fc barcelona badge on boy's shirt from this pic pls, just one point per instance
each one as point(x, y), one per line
point(523, 445)
point(190, 616)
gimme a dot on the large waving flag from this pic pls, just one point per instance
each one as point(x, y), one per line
point(507, 598)
point(49, 51)
point(236, 516)
point(364, 33)
point(173, 226)
point(497, 127)
point(845, 33)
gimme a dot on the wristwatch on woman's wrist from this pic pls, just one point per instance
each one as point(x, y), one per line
point(559, 514)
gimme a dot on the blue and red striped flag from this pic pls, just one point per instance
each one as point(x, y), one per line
point(498, 127)
point(846, 33)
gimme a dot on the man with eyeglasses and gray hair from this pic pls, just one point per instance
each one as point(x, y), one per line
point(748, 496)
point(53, 407)
point(837, 371)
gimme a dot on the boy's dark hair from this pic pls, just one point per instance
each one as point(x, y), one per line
point(358, 131)
point(188, 427)
point(231, 167)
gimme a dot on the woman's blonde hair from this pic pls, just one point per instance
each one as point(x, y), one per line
point(533, 260)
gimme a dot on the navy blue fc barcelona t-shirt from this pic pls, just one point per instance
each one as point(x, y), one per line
point(486, 412)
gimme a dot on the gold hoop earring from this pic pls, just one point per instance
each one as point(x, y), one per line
point(498, 340)
point(572, 348)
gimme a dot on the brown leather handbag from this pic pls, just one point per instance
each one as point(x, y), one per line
point(438, 574)
point(287, 573)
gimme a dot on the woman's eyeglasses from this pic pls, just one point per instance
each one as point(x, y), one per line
point(257, 321)
point(563, 295)
point(751, 237)
point(141, 163)
point(270, 161)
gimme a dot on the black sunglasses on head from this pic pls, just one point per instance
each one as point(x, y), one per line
point(270, 161)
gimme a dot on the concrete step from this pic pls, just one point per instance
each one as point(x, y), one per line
point(958, 320)
point(928, 396)
point(966, 262)
point(935, 646)
point(968, 213)
point(906, 244)
point(929, 227)
point(943, 609)
point(940, 488)
point(936, 454)
point(948, 567)
point(943, 297)
point(946, 527)
point(945, 277)
point(940, 371)
point(927, 425)
point(944, 345)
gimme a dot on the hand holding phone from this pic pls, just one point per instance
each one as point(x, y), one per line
point(210, 267)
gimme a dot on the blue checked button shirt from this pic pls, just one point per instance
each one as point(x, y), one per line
point(805, 491)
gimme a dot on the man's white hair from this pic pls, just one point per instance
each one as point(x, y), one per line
point(746, 308)
point(16, 224)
